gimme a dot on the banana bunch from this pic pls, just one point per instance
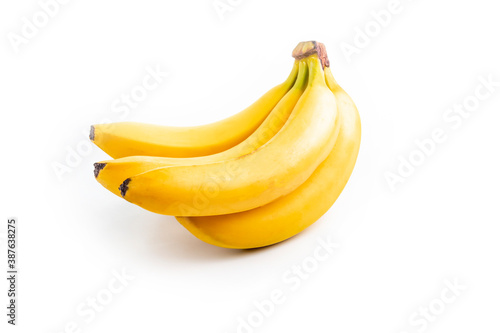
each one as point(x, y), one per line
point(253, 179)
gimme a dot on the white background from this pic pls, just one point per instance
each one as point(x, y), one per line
point(397, 248)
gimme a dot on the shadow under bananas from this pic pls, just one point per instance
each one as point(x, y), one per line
point(170, 240)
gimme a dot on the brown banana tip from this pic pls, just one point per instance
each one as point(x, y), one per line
point(97, 168)
point(92, 133)
point(305, 49)
point(124, 187)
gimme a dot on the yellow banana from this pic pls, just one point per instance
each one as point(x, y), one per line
point(129, 138)
point(112, 173)
point(252, 180)
point(289, 215)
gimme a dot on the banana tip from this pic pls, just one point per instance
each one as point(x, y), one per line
point(124, 187)
point(97, 168)
point(92, 133)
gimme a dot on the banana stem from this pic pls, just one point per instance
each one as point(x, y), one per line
point(316, 72)
point(306, 49)
point(290, 81)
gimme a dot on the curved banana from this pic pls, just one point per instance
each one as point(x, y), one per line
point(252, 180)
point(112, 173)
point(130, 138)
point(289, 215)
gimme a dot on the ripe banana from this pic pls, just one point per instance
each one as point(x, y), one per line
point(289, 215)
point(253, 180)
point(129, 138)
point(273, 222)
point(112, 173)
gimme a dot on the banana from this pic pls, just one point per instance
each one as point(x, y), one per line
point(129, 138)
point(253, 180)
point(289, 215)
point(112, 173)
